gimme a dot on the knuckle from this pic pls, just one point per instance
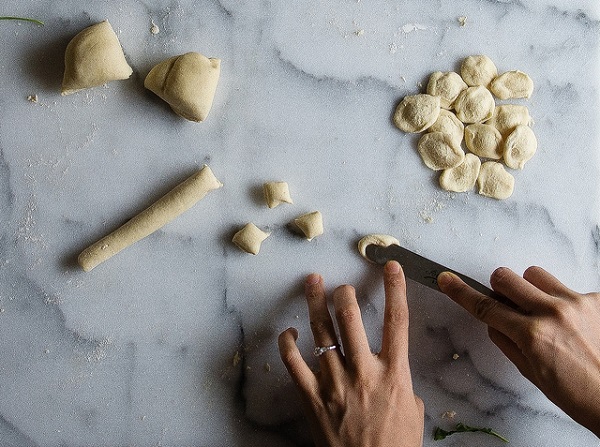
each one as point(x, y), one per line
point(397, 318)
point(347, 314)
point(319, 326)
point(484, 308)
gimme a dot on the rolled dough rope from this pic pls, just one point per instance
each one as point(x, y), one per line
point(164, 210)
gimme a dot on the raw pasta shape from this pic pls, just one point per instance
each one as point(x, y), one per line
point(416, 113)
point(250, 238)
point(449, 124)
point(512, 85)
point(446, 85)
point(439, 151)
point(519, 147)
point(484, 140)
point(463, 177)
point(474, 105)
point(494, 181)
point(310, 224)
point(382, 240)
point(507, 117)
point(276, 193)
point(478, 70)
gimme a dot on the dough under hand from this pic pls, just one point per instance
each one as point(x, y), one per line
point(494, 181)
point(250, 238)
point(310, 224)
point(382, 240)
point(92, 58)
point(187, 83)
point(164, 210)
point(416, 113)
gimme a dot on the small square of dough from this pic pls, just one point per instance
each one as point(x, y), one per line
point(310, 224)
point(447, 85)
point(484, 140)
point(463, 177)
point(478, 70)
point(439, 151)
point(187, 83)
point(519, 147)
point(416, 113)
point(512, 85)
point(276, 193)
point(474, 105)
point(494, 181)
point(250, 238)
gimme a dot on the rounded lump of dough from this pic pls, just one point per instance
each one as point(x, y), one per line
point(478, 70)
point(439, 151)
point(494, 181)
point(484, 140)
point(474, 105)
point(512, 85)
point(250, 238)
point(447, 85)
point(519, 147)
point(463, 177)
point(416, 113)
point(92, 58)
point(310, 224)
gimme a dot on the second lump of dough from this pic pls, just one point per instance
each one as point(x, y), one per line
point(310, 224)
point(439, 151)
point(250, 238)
point(276, 193)
point(416, 113)
point(187, 83)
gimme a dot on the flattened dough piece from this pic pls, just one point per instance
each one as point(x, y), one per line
point(187, 83)
point(494, 181)
point(511, 85)
point(463, 177)
point(439, 151)
point(478, 70)
point(164, 210)
point(276, 193)
point(449, 124)
point(382, 240)
point(311, 224)
point(507, 117)
point(484, 140)
point(92, 58)
point(474, 105)
point(447, 85)
point(416, 113)
point(250, 238)
point(519, 147)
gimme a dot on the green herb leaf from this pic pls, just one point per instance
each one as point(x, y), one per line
point(440, 434)
point(23, 19)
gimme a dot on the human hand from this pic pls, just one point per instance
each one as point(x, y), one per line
point(552, 335)
point(357, 399)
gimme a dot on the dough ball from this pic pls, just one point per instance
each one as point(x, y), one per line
point(519, 147)
point(512, 85)
point(484, 140)
point(449, 124)
point(187, 83)
point(447, 85)
point(439, 151)
point(276, 193)
point(382, 240)
point(507, 117)
point(311, 224)
point(416, 113)
point(92, 58)
point(463, 177)
point(478, 70)
point(494, 181)
point(474, 105)
point(250, 238)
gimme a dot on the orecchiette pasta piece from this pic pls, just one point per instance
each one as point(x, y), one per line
point(512, 85)
point(449, 124)
point(484, 140)
point(494, 181)
point(519, 147)
point(478, 70)
point(507, 117)
point(463, 177)
point(187, 83)
point(439, 151)
point(92, 58)
point(276, 193)
point(310, 224)
point(416, 113)
point(446, 85)
point(474, 105)
point(250, 238)
point(382, 240)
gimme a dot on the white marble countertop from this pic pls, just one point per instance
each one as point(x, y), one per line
point(173, 341)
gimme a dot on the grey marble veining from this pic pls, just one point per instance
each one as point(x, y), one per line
point(173, 341)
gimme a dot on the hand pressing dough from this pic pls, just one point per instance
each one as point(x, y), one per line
point(519, 147)
point(439, 151)
point(478, 70)
point(446, 85)
point(381, 240)
point(187, 83)
point(463, 177)
point(507, 117)
point(276, 193)
point(311, 224)
point(416, 113)
point(512, 85)
point(250, 238)
point(92, 58)
point(494, 181)
point(164, 210)
point(474, 105)
point(484, 140)
point(449, 124)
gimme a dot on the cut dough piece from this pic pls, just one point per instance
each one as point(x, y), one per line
point(187, 83)
point(512, 85)
point(474, 105)
point(508, 116)
point(416, 113)
point(92, 58)
point(449, 124)
point(494, 181)
point(250, 238)
point(439, 151)
point(519, 147)
point(484, 140)
point(382, 240)
point(463, 177)
point(164, 210)
point(276, 193)
point(310, 224)
point(446, 85)
point(478, 70)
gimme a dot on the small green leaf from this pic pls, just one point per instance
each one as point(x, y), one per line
point(23, 19)
point(440, 434)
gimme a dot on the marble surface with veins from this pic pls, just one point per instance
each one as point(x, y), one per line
point(173, 341)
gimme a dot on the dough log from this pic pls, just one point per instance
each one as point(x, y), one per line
point(164, 210)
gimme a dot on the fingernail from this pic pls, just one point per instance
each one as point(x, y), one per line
point(444, 279)
point(313, 279)
point(392, 267)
